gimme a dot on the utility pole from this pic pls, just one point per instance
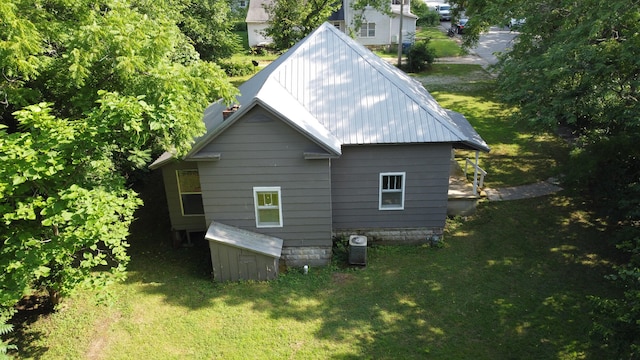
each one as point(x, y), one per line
point(400, 33)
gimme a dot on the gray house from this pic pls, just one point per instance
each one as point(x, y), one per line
point(327, 140)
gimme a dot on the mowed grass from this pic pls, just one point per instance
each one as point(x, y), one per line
point(443, 45)
point(519, 155)
point(510, 282)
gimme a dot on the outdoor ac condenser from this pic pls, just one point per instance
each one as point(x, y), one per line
point(357, 250)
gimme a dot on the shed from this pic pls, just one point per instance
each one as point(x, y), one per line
point(238, 254)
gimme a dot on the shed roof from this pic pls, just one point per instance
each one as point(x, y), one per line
point(243, 239)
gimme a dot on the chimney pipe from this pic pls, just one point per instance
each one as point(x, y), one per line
point(229, 111)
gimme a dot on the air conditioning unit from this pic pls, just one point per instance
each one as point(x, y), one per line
point(357, 250)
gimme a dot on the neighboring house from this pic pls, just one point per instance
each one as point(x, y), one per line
point(257, 21)
point(328, 140)
point(377, 28)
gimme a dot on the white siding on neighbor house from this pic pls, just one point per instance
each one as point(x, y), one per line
point(355, 178)
point(260, 150)
point(257, 20)
point(255, 34)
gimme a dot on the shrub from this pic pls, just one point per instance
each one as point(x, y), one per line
point(4, 346)
point(237, 69)
point(426, 16)
point(420, 56)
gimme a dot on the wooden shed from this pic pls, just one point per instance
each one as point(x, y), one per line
point(238, 254)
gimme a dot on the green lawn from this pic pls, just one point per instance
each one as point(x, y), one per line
point(443, 45)
point(510, 282)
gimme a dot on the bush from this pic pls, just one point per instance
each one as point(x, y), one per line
point(237, 69)
point(420, 56)
point(426, 17)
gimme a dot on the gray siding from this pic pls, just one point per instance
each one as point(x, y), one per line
point(179, 221)
point(355, 181)
point(233, 264)
point(261, 150)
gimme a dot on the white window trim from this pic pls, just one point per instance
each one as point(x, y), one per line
point(259, 189)
point(367, 32)
point(180, 192)
point(380, 191)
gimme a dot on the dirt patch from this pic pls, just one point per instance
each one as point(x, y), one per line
point(101, 338)
point(342, 278)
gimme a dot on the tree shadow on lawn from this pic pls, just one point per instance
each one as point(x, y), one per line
point(511, 282)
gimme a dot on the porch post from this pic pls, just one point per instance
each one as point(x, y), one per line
point(475, 173)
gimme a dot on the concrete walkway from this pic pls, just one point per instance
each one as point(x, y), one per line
point(541, 188)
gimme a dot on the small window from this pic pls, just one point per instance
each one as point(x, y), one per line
point(368, 30)
point(398, 2)
point(190, 192)
point(268, 206)
point(392, 191)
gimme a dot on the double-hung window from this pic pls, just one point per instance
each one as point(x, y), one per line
point(368, 30)
point(190, 192)
point(392, 191)
point(268, 206)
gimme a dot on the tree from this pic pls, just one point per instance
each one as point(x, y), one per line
point(426, 16)
point(290, 20)
point(420, 56)
point(90, 92)
point(575, 65)
point(208, 23)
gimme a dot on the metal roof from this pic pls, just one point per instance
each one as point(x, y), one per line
point(244, 239)
point(337, 92)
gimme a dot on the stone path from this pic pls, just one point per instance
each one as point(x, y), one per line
point(541, 188)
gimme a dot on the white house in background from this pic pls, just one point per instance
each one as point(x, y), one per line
point(377, 28)
point(257, 21)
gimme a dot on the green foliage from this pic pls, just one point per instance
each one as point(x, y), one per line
point(208, 24)
point(419, 56)
point(235, 68)
point(292, 20)
point(426, 16)
point(90, 94)
point(575, 66)
point(360, 7)
point(616, 320)
point(4, 346)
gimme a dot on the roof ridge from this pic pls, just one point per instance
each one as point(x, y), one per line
point(393, 76)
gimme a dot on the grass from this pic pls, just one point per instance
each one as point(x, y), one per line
point(518, 155)
point(502, 287)
point(443, 45)
point(510, 282)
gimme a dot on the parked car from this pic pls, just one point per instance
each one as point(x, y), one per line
point(515, 23)
point(459, 25)
point(444, 12)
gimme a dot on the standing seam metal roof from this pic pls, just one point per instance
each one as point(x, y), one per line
point(337, 92)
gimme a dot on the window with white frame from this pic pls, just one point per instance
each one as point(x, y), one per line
point(368, 29)
point(392, 191)
point(190, 192)
point(268, 206)
point(398, 2)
